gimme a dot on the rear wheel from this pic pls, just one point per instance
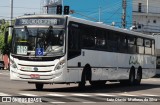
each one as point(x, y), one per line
point(131, 80)
point(139, 76)
point(39, 86)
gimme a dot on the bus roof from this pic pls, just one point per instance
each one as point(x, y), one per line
point(43, 16)
point(88, 22)
point(101, 25)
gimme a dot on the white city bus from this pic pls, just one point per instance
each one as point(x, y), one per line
point(63, 49)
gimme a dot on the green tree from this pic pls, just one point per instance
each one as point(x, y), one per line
point(3, 28)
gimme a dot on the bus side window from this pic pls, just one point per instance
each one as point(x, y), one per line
point(131, 45)
point(73, 43)
point(100, 39)
point(112, 42)
point(88, 37)
point(122, 44)
point(140, 46)
point(147, 43)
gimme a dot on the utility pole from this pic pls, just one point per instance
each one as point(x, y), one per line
point(11, 16)
point(124, 6)
point(99, 14)
point(147, 6)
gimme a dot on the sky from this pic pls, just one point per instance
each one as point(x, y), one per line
point(111, 10)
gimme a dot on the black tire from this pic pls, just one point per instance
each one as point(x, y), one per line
point(139, 76)
point(83, 81)
point(86, 75)
point(39, 86)
point(131, 80)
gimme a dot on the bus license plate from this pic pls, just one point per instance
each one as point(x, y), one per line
point(35, 76)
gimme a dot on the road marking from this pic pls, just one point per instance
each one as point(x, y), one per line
point(88, 102)
point(149, 95)
point(58, 95)
point(6, 74)
point(26, 94)
point(127, 95)
point(151, 79)
point(3, 94)
point(82, 95)
point(105, 95)
point(58, 102)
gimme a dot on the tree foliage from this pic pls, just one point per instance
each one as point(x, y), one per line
point(3, 28)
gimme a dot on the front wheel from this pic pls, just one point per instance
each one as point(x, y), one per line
point(83, 81)
point(39, 86)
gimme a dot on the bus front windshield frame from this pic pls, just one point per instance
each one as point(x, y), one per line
point(38, 41)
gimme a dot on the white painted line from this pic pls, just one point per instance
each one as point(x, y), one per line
point(26, 94)
point(58, 95)
point(88, 102)
point(82, 95)
point(149, 95)
point(151, 79)
point(58, 102)
point(127, 95)
point(3, 94)
point(105, 95)
point(6, 74)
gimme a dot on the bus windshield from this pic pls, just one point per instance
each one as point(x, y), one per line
point(38, 41)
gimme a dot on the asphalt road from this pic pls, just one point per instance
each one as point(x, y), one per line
point(112, 93)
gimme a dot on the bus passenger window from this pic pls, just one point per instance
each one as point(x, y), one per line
point(131, 45)
point(74, 48)
point(140, 46)
point(100, 40)
point(112, 42)
point(147, 46)
point(122, 44)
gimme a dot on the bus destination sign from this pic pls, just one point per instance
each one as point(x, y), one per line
point(40, 21)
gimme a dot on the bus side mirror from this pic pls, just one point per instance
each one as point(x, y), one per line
point(6, 38)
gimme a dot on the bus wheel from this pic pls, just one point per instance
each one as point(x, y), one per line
point(139, 76)
point(39, 86)
point(131, 80)
point(83, 81)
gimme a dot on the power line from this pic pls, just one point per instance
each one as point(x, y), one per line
point(18, 7)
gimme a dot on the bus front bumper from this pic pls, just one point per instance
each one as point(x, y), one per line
point(43, 77)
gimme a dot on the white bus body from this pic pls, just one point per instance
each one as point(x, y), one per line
point(90, 51)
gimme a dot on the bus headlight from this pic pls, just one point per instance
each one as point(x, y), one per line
point(60, 65)
point(13, 64)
